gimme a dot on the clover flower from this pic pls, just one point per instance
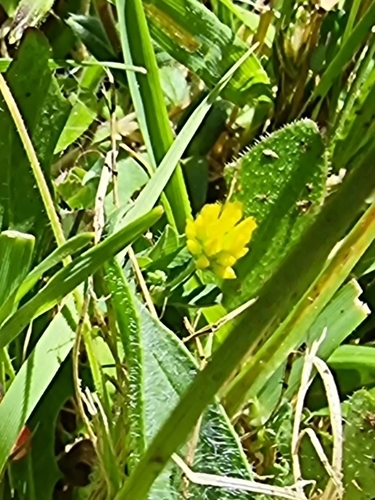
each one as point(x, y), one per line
point(217, 238)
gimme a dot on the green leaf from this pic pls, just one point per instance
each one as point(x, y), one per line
point(16, 250)
point(341, 317)
point(195, 37)
point(160, 178)
point(72, 246)
point(292, 332)
point(148, 101)
point(68, 278)
point(43, 109)
point(90, 30)
point(84, 110)
point(276, 299)
point(281, 183)
point(131, 178)
point(31, 383)
point(353, 366)
point(160, 369)
point(359, 448)
point(92, 34)
point(42, 424)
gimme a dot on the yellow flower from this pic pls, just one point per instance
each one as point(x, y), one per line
point(217, 238)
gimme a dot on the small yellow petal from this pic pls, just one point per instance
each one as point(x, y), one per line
point(212, 247)
point(240, 253)
point(194, 247)
point(210, 213)
point(225, 259)
point(226, 273)
point(202, 262)
point(239, 236)
point(190, 229)
point(200, 227)
point(231, 214)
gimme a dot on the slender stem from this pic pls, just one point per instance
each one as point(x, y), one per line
point(34, 162)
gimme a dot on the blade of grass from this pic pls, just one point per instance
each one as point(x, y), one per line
point(149, 103)
point(33, 379)
point(151, 193)
point(68, 278)
point(276, 298)
point(72, 246)
point(16, 251)
point(344, 55)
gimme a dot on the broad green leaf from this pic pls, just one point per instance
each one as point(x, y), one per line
point(195, 37)
point(281, 182)
point(16, 250)
point(91, 32)
point(31, 381)
point(292, 332)
point(68, 278)
point(44, 111)
point(359, 448)
point(160, 369)
point(275, 301)
point(174, 85)
point(131, 178)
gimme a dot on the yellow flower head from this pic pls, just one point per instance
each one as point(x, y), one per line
point(217, 238)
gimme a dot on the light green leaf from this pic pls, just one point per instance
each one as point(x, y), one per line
point(16, 250)
point(68, 278)
point(31, 382)
point(281, 183)
point(195, 37)
point(72, 246)
point(359, 448)
point(160, 369)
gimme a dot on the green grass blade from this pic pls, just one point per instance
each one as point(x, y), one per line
point(33, 379)
point(160, 178)
point(68, 278)
point(148, 100)
point(344, 55)
point(16, 250)
point(69, 248)
point(129, 328)
point(195, 37)
point(275, 301)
